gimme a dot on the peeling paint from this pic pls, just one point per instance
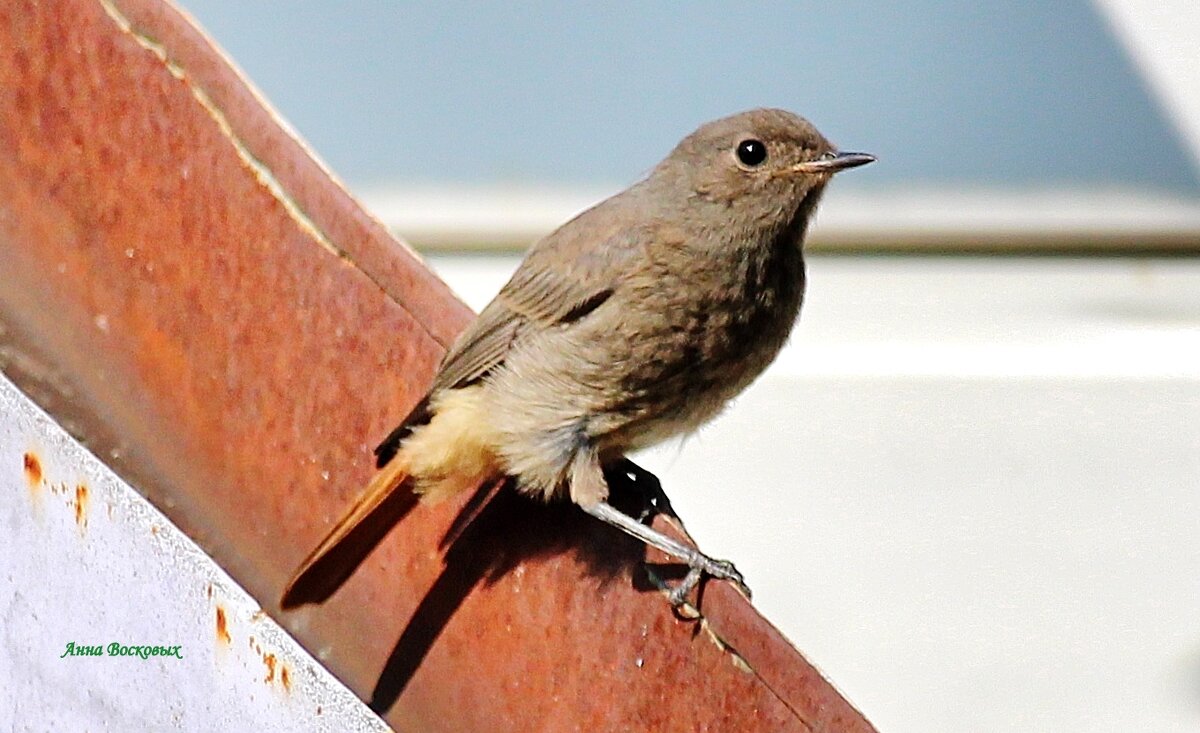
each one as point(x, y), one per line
point(81, 507)
point(222, 627)
point(34, 483)
point(33, 470)
point(740, 662)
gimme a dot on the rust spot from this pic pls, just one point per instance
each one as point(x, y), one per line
point(318, 710)
point(269, 660)
point(222, 629)
point(209, 591)
point(33, 470)
point(154, 530)
point(285, 677)
point(81, 502)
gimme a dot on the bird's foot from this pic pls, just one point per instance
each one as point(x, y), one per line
point(700, 565)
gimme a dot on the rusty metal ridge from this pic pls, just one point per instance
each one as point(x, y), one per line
point(189, 290)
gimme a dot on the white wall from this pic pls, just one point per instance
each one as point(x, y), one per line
point(86, 561)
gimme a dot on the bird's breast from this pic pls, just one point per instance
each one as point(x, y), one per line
point(699, 337)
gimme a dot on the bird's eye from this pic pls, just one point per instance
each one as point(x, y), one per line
point(828, 155)
point(751, 153)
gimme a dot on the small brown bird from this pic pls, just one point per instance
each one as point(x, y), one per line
point(634, 322)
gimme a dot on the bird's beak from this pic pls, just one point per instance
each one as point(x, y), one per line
point(838, 162)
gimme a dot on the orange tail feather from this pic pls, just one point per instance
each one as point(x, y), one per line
point(385, 501)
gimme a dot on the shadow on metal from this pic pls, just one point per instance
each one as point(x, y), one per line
point(188, 291)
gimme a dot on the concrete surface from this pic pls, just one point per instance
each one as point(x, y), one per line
point(981, 482)
point(86, 561)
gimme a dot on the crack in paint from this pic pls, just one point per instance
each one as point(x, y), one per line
point(690, 612)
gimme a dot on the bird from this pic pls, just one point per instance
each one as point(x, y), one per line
point(635, 322)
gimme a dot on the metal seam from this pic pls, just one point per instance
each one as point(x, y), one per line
point(261, 171)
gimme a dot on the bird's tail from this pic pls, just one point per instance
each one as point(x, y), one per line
point(387, 498)
point(445, 452)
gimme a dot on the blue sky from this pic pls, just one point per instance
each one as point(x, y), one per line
point(951, 94)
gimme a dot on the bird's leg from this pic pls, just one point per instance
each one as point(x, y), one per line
point(589, 482)
point(697, 562)
point(646, 484)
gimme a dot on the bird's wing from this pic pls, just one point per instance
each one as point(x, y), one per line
point(564, 277)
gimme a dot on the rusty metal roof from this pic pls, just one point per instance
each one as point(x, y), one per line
point(187, 289)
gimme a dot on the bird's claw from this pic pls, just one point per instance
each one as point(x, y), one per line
point(703, 565)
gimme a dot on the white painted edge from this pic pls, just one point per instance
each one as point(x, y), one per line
point(87, 559)
point(464, 217)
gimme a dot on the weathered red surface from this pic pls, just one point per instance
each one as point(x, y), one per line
point(225, 324)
